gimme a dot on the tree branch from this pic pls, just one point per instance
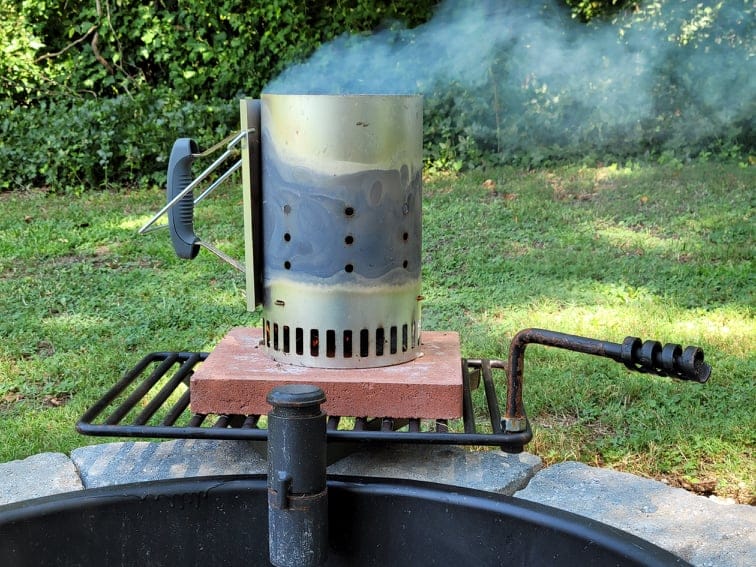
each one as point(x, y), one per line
point(97, 54)
point(96, 38)
point(67, 47)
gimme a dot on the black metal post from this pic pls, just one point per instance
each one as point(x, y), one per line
point(297, 494)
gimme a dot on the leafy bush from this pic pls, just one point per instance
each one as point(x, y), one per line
point(200, 49)
point(93, 94)
point(20, 76)
point(588, 10)
point(95, 143)
point(668, 80)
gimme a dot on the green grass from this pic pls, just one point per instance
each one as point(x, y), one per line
point(659, 252)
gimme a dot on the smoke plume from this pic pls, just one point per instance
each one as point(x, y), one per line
point(521, 75)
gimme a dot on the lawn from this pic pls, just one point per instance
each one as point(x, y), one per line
point(659, 252)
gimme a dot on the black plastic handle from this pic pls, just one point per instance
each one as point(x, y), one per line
point(181, 215)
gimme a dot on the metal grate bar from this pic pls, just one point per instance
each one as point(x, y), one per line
point(493, 402)
point(168, 372)
point(250, 422)
point(166, 391)
point(197, 420)
point(177, 409)
point(143, 388)
point(467, 407)
point(100, 406)
point(222, 421)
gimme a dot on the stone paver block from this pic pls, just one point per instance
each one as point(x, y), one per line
point(39, 475)
point(123, 463)
point(237, 376)
point(493, 471)
point(700, 530)
point(703, 531)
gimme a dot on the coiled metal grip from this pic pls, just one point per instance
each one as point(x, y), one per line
point(668, 360)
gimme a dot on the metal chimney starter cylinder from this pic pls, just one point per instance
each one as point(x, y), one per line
point(341, 216)
point(297, 493)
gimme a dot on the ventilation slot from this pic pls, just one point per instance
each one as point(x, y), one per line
point(364, 342)
point(404, 337)
point(299, 340)
point(286, 344)
point(314, 342)
point(380, 340)
point(275, 336)
point(330, 343)
point(347, 344)
point(393, 340)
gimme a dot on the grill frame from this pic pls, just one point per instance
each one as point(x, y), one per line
point(109, 417)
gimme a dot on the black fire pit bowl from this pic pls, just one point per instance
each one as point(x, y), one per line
point(224, 521)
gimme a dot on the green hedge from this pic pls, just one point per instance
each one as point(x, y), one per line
point(91, 100)
point(67, 146)
point(200, 49)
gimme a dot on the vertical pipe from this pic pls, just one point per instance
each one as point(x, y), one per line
point(297, 494)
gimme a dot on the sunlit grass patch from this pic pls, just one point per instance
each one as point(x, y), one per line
point(656, 252)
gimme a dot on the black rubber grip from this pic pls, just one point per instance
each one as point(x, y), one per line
point(181, 215)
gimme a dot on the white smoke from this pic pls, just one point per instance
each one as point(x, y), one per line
point(542, 72)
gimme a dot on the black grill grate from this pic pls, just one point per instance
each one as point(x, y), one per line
point(152, 401)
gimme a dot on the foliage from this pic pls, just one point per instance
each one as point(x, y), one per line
point(93, 93)
point(201, 49)
point(668, 79)
point(587, 10)
point(660, 252)
point(20, 77)
point(96, 143)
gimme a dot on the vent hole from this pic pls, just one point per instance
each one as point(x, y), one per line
point(404, 337)
point(286, 343)
point(299, 340)
point(330, 343)
point(287, 265)
point(349, 240)
point(405, 236)
point(349, 268)
point(380, 340)
point(347, 344)
point(364, 342)
point(414, 334)
point(405, 264)
point(287, 237)
point(349, 211)
point(314, 342)
point(393, 343)
point(286, 209)
point(267, 334)
point(275, 336)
